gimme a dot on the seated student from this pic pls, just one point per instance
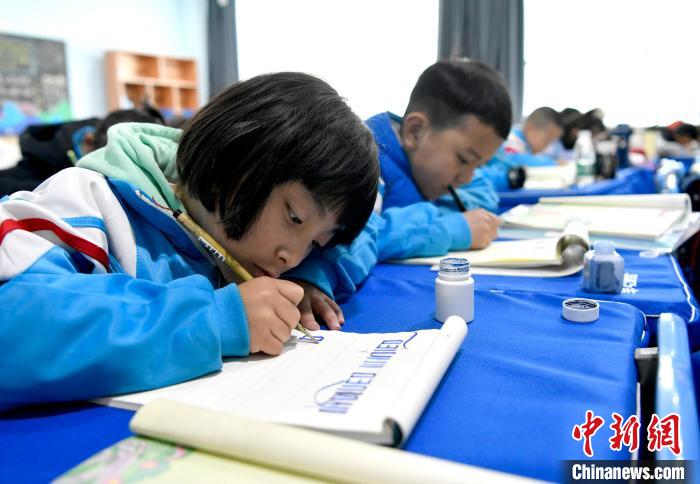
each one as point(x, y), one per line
point(681, 140)
point(103, 290)
point(525, 145)
point(458, 114)
point(46, 147)
point(503, 173)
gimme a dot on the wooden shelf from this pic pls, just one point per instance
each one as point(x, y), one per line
point(167, 83)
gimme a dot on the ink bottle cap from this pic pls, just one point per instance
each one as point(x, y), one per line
point(580, 310)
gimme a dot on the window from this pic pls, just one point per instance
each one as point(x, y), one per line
point(635, 59)
point(371, 52)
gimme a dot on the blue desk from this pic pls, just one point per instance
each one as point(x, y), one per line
point(654, 285)
point(523, 378)
point(629, 181)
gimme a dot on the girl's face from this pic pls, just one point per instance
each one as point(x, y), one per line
point(289, 226)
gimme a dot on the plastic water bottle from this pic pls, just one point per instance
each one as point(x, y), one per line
point(603, 268)
point(584, 154)
point(454, 290)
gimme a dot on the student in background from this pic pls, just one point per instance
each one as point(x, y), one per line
point(104, 292)
point(503, 173)
point(46, 149)
point(679, 139)
point(458, 115)
point(525, 145)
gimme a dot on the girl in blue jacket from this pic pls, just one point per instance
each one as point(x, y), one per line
point(104, 292)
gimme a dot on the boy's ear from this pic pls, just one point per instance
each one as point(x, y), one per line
point(414, 126)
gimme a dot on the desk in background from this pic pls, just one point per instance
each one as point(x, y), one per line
point(630, 181)
point(522, 379)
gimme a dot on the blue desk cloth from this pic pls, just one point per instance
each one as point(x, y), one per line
point(630, 181)
point(522, 379)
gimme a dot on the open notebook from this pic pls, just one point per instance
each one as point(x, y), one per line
point(371, 387)
point(645, 217)
point(221, 447)
point(550, 177)
point(544, 257)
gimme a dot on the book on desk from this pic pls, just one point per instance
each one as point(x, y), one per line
point(178, 442)
point(645, 222)
point(371, 387)
point(555, 256)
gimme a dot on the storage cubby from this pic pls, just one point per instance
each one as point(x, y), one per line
point(167, 83)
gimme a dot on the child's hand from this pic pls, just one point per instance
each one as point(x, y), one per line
point(483, 225)
point(271, 306)
point(315, 302)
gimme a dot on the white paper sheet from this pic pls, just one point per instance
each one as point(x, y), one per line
point(349, 384)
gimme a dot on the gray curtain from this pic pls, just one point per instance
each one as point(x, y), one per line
point(490, 31)
point(221, 45)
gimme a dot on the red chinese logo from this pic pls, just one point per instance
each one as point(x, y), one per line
point(664, 433)
point(627, 433)
point(587, 430)
point(661, 432)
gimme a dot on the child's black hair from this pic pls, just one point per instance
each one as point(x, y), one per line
point(545, 116)
point(449, 90)
point(687, 130)
point(273, 129)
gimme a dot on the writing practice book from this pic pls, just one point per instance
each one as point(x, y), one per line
point(371, 387)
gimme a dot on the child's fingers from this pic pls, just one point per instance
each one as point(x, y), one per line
point(307, 315)
point(280, 332)
point(336, 308)
point(326, 305)
point(326, 312)
point(293, 292)
point(287, 312)
point(272, 346)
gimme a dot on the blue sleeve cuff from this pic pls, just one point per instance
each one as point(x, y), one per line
point(235, 338)
point(458, 228)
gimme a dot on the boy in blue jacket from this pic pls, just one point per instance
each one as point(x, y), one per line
point(526, 145)
point(104, 292)
point(458, 115)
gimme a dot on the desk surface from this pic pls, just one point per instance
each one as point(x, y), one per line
point(653, 285)
point(523, 378)
point(628, 181)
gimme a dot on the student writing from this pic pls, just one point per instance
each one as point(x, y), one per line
point(458, 114)
point(104, 292)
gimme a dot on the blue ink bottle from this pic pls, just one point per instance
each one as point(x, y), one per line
point(603, 268)
point(454, 290)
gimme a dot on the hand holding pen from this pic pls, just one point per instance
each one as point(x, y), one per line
point(266, 304)
point(483, 225)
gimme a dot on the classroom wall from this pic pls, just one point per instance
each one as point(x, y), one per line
point(91, 27)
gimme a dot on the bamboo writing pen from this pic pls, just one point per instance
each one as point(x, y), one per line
point(220, 254)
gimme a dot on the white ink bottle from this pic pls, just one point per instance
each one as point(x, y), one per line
point(454, 290)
